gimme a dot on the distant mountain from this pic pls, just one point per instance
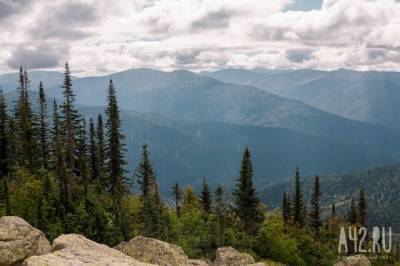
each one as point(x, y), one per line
point(381, 185)
point(187, 151)
point(365, 96)
point(8, 82)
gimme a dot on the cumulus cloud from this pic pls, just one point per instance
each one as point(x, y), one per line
point(42, 56)
point(102, 35)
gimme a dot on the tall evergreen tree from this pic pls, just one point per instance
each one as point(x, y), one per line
point(43, 128)
point(101, 148)
point(333, 211)
point(94, 154)
point(176, 191)
point(299, 209)
point(60, 165)
point(70, 120)
point(285, 214)
point(221, 214)
point(246, 200)
point(352, 215)
point(205, 198)
point(148, 184)
point(26, 135)
point(83, 162)
point(115, 150)
point(4, 143)
point(315, 215)
point(362, 208)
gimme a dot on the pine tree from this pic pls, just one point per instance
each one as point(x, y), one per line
point(176, 191)
point(221, 214)
point(94, 155)
point(101, 152)
point(352, 216)
point(315, 215)
point(362, 209)
point(246, 200)
point(26, 135)
point(149, 193)
point(285, 214)
point(60, 165)
point(205, 198)
point(299, 209)
point(4, 138)
point(70, 120)
point(115, 150)
point(7, 201)
point(83, 162)
point(43, 128)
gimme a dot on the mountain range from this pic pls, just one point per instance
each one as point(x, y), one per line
point(197, 124)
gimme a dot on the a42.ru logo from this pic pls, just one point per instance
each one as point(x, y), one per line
point(358, 240)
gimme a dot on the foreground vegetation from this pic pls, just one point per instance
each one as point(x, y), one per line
point(64, 173)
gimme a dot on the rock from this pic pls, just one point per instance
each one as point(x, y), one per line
point(19, 240)
point(198, 263)
point(357, 260)
point(228, 256)
point(154, 251)
point(72, 249)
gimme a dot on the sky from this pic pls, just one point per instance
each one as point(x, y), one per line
point(102, 36)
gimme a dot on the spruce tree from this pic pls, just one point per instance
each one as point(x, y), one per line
point(299, 209)
point(101, 148)
point(352, 215)
point(333, 211)
point(149, 194)
point(94, 155)
point(83, 162)
point(7, 201)
point(176, 191)
point(26, 133)
point(43, 127)
point(362, 209)
point(315, 215)
point(246, 200)
point(285, 214)
point(205, 198)
point(4, 138)
point(60, 165)
point(115, 150)
point(70, 120)
point(220, 210)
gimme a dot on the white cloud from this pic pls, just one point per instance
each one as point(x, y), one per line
point(103, 35)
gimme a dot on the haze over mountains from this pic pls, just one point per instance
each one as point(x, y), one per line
point(198, 124)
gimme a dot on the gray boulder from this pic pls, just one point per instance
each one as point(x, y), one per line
point(357, 260)
point(154, 251)
point(76, 250)
point(228, 256)
point(19, 240)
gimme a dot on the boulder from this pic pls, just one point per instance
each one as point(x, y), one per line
point(73, 249)
point(154, 251)
point(228, 256)
point(357, 260)
point(19, 240)
point(198, 263)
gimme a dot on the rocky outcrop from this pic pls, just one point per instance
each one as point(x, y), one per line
point(19, 240)
point(228, 256)
point(77, 250)
point(357, 260)
point(154, 251)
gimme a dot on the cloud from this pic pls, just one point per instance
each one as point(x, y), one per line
point(299, 55)
point(43, 56)
point(217, 19)
point(12, 7)
point(66, 21)
point(102, 35)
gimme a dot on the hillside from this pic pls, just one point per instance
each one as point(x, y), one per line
point(381, 185)
point(365, 96)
